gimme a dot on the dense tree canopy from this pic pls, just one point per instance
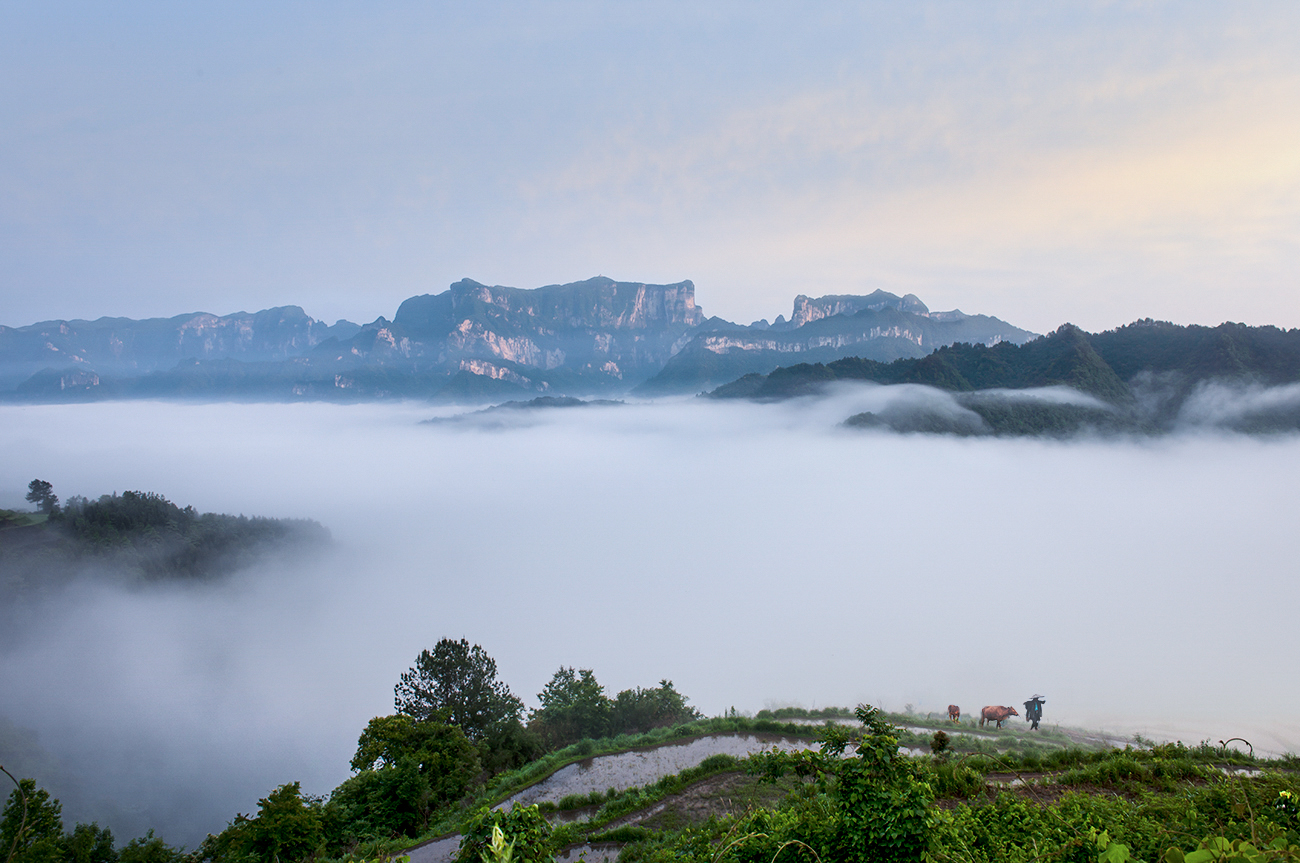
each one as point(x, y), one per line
point(31, 829)
point(148, 532)
point(441, 752)
point(574, 706)
point(639, 710)
point(460, 682)
point(138, 536)
point(407, 769)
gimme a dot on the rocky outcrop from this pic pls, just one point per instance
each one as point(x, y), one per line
point(807, 310)
point(472, 341)
point(122, 346)
point(880, 326)
point(600, 330)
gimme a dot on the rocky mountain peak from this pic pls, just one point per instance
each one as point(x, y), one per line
point(807, 309)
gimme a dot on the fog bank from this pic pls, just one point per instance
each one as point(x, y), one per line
point(754, 554)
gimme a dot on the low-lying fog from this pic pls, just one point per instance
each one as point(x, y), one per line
point(756, 555)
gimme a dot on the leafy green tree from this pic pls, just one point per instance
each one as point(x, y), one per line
point(31, 826)
point(42, 494)
point(229, 846)
point(407, 769)
point(461, 680)
point(379, 804)
point(285, 829)
point(574, 706)
point(146, 532)
point(509, 745)
point(636, 711)
point(875, 804)
point(150, 849)
point(442, 753)
point(87, 843)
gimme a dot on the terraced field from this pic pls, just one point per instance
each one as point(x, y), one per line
point(600, 793)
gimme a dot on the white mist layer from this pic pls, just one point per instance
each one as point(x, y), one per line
point(753, 554)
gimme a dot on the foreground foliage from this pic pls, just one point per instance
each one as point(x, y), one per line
point(866, 794)
point(1170, 803)
point(31, 831)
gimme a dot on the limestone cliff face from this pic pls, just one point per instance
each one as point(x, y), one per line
point(598, 327)
point(880, 326)
point(126, 346)
point(725, 343)
point(595, 304)
point(807, 309)
point(474, 340)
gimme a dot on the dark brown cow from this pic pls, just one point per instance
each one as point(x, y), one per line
point(996, 714)
point(954, 713)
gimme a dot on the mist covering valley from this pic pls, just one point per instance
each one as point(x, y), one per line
point(755, 554)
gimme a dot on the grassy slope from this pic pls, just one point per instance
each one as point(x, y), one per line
point(994, 746)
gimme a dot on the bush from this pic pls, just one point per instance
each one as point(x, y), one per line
point(627, 833)
point(955, 779)
point(523, 826)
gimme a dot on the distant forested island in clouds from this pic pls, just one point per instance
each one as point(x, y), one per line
point(478, 343)
point(135, 537)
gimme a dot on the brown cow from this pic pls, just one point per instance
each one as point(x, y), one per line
point(954, 713)
point(996, 714)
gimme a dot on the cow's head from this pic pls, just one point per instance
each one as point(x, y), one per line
point(1013, 712)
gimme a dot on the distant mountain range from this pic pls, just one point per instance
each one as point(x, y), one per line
point(83, 355)
point(879, 326)
point(1141, 376)
point(470, 342)
point(480, 343)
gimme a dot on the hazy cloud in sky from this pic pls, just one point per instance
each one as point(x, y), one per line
point(1092, 162)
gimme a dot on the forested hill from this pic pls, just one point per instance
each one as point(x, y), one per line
point(1111, 365)
point(141, 537)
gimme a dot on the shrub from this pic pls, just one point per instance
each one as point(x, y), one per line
point(524, 827)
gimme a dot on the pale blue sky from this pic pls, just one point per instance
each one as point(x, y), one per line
point(1085, 162)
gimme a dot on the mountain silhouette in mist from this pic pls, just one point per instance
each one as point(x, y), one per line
point(1141, 376)
point(472, 342)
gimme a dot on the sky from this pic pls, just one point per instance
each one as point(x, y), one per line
point(1083, 162)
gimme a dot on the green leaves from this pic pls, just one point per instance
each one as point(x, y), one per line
point(460, 680)
point(575, 707)
point(1217, 848)
point(407, 769)
point(1111, 852)
point(42, 494)
point(31, 828)
point(880, 801)
point(285, 828)
point(524, 831)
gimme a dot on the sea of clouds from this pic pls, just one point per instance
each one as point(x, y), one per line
point(756, 555)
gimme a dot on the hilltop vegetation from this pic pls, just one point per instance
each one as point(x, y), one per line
point(137, 536)
point(860, 799)
point(1139, 378)
point(458, 746)
point(457, 740)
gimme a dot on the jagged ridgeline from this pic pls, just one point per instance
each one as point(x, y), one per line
point(1139, 376)
point(472, 342)
point(480, 343)
point(879, 326)
point(140, 537)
